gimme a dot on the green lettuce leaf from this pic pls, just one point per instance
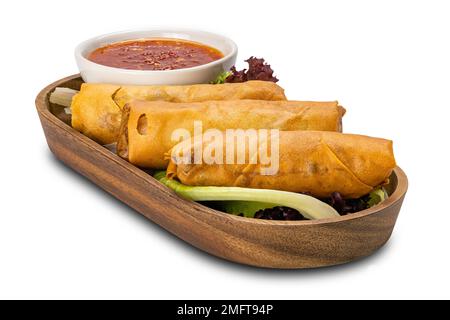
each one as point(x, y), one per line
point(246, 208)
point(377, 196)
point(221, 77)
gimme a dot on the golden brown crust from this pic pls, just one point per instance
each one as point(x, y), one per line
point(122, 142)
point(96, 110)
point(253, 90)
point(317, 163)
point(95, 113)
point(163, 118)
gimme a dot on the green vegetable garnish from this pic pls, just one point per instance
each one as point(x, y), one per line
point(246, 208)
point(221, 77)
point(377, 196)
point(309, 207)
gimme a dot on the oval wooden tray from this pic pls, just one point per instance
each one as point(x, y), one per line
point(262, 243)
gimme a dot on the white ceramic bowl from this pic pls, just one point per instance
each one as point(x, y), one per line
point(97, 73)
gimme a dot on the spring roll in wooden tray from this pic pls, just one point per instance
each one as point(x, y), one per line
point(312, 162)
point(146, 132)
point(96, 109)
point(322, 171)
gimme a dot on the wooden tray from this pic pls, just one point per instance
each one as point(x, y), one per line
point(262, 243)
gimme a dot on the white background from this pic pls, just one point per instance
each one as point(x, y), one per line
point(387, 62)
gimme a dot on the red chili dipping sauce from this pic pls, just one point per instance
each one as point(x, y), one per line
point(155, 54)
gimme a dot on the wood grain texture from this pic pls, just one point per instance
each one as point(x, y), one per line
point(262, 243)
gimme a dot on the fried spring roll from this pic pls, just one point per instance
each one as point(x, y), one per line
point(96, 109)
point(312, 162)
point(147, 127)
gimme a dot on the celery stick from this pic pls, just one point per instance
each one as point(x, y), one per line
point(309, 207)
point(63, 96)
